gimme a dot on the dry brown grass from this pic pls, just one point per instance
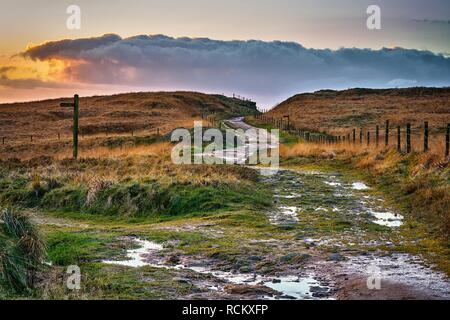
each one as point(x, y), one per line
point(311, 149)
point(131, 163)
point(119, 152)
point(115, 114)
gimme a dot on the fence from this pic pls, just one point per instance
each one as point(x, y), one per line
point(239, 97)
point(365, 136)
point(66, 135)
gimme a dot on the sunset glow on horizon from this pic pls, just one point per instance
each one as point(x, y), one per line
point(295, 33)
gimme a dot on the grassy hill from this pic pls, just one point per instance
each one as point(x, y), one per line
point(142, 113)
point(116, 113)
point(336, 111)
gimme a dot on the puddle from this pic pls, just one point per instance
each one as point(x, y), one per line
point(404, 269)
point(284, 215)
point(359, 186)
point(333, 184)
point(296, 287)
point(289, 287)
point(386, 218)
point(136, 256)
point(288, 196)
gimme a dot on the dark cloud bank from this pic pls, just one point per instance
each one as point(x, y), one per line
point(262, 70)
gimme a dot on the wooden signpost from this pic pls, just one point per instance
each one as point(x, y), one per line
point(74, 105)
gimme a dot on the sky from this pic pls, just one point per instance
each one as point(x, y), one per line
point(266, 50)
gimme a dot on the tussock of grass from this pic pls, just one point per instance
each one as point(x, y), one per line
point(22, 250)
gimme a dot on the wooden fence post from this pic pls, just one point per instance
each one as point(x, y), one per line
point(399, 146)
point(354, 136)
point(425, 136)
point(386, 137)
point(288, 122)
point(360, 136)
point(377, 135)
point(3, 140)
point(368, 138)
point(447, 140)
point(408, 138)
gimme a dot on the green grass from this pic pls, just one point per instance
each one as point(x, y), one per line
point(136, 199)
point(74, 248)
point(22, 251)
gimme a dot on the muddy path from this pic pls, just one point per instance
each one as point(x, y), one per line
point(327, 236)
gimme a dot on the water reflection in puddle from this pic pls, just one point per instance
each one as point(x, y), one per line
point(135, 256)
point(386, 218)
point(359, 186)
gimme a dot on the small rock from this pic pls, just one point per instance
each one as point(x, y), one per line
point(320, 292)
point(173, 259)
point(289, 257)
point(336, 257)
point(276, 281)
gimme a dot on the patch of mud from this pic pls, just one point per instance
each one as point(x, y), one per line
point(284, 215)
point(405, 269)
point(41, 218)
point(283, 287)
point(401, 276)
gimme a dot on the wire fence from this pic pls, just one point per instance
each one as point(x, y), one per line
point(405, 137)
point(67, 134)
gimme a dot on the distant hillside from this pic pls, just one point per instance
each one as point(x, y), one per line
point(117, 113)
point(336, 110)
